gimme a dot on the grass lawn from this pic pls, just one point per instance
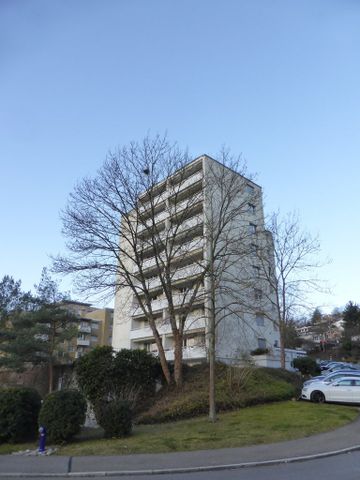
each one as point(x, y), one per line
point(248, 426)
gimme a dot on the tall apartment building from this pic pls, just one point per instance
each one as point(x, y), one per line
point(94, 326)
point(184, 203)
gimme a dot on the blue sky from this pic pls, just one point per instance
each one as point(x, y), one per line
point(274, 79)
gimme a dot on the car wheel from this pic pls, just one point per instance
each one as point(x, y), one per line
point(317, 397)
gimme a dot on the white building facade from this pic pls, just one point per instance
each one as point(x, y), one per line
point(183, 208)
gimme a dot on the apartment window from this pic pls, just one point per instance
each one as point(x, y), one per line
point(261, 343)
point(93, 338)
point(260, 321)
point(276, 344)
point(94, 325)
point(253, 248)
point(257, 294)
point(249, 189)
point(251, 208)
point(252, 228)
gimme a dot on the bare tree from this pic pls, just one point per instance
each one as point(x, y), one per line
point(117, 240)
point(131, 230)
point(228, 244)
point(288, 258)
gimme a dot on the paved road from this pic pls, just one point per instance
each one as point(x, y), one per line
point(344, 467)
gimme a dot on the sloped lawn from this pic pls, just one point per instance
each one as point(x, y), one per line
point(248, 426)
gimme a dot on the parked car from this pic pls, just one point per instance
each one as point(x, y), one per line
point(329, 365)
point(331, 377)
point(344, 390)
point(342, 366)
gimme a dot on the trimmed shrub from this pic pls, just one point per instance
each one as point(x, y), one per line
point(19, 411)
point(129, 375)
point(115, 417)
point(138, 368)
point(63, 414)
point(306, 365)
point(94, 373)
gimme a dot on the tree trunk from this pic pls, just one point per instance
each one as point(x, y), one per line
point(212, 399)
point(178, 358)
point(162, 357)
point(51, 375)
point(282, 347)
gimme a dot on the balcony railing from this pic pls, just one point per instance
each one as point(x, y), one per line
point(189, 353)
point(193, 322)
point(179, 299)
point(84, 328)
point(82, 343)
point(195, 177)
point(159, 217)
point(181, 251)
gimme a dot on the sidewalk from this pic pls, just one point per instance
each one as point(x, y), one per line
point(325, 444)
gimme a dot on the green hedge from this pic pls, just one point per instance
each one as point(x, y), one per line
point(115, 418)
point(19, 411)
point(63, 414)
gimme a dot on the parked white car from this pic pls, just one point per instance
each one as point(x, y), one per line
point(331, 377)
point(344, 390)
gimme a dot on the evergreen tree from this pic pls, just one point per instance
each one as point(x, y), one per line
point(351, 319)
point(316, 316)
point(36, 330)
point(12, 298)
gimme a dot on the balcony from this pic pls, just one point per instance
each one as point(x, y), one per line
point(186, 209)
point(179, 299)
point(82, 343)
point(140, 332)
point(144, 225)
point(190, 224)
point(143, 331)
point(188, 271)
point(156, 203)
point(189, 353)
point(194, 178)
point(181, 251)
point(195, 322)
point(83, 328)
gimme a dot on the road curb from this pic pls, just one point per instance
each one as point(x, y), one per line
point(164, 471)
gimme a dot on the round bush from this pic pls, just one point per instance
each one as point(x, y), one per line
point(19, 411)
point(63, 414)
point(115, 418)
point(306, 365)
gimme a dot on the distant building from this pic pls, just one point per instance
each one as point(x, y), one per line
point(94, 326)
point(327, 331)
